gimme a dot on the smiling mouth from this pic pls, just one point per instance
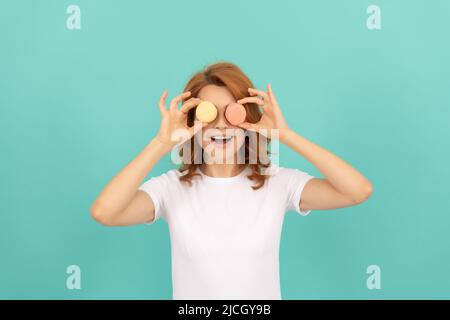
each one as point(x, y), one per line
point(221, 140)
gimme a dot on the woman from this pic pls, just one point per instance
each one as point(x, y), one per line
point(225, 216)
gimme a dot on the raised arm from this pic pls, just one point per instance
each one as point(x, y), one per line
point(342, 186)
point(121, 203)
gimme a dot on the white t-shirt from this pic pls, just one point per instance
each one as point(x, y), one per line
point(224, 235)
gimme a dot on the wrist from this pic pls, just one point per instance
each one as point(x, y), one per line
point(160, 146)
point(284, 134)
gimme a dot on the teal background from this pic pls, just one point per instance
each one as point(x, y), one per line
point(78, 105)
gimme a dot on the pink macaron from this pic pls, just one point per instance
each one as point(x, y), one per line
point(235, 113)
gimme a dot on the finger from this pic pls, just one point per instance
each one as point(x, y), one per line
point(189, 104)
point(271, 94)
point(255, 92)
point(251, 100)
point(162, 101)
point(177, 99)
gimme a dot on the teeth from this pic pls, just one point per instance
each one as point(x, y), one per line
point(221, 137)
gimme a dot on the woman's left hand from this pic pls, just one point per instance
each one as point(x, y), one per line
point(272, 118)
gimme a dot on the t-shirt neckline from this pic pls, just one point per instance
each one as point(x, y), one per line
point(224, 179)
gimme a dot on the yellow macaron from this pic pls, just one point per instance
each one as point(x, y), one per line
point(206, 111)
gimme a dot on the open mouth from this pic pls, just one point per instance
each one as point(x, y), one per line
point(221, 140)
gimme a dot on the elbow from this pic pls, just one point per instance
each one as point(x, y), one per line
point(100, 215)
point(364, 193)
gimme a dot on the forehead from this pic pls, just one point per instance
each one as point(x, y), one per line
point(220, 96)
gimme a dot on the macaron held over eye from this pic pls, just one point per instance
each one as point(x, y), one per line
point(235, 113)
point(206, 111)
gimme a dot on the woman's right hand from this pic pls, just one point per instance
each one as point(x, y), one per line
point(174, 119)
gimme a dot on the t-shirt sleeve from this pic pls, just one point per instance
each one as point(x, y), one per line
point(296, 183)
point(157, 188)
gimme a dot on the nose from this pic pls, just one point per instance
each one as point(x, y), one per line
point(221, 122)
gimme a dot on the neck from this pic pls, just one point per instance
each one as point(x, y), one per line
point(221, 170)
